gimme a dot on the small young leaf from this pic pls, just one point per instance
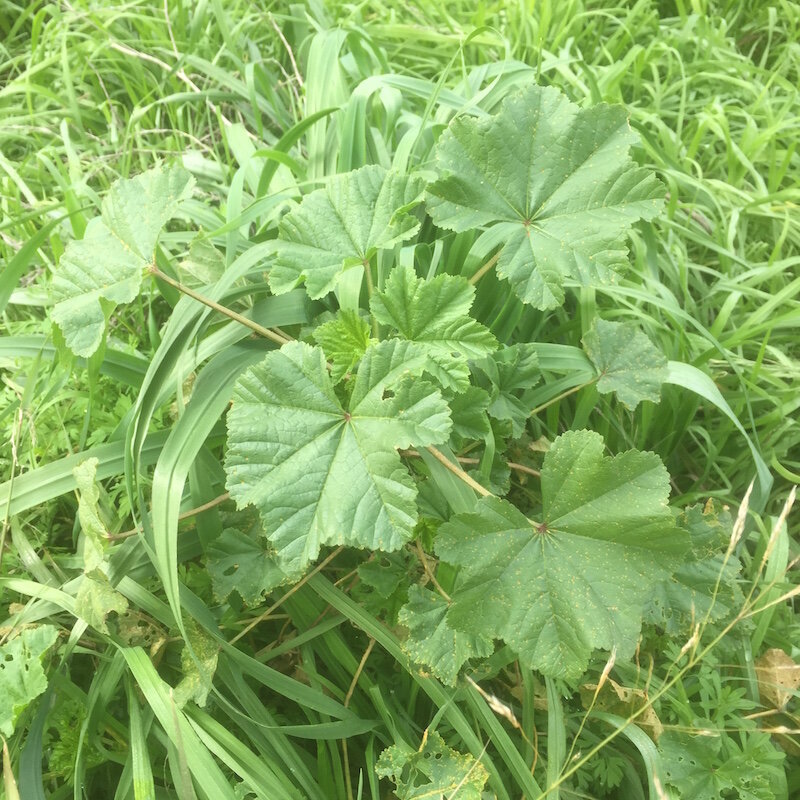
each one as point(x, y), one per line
point(237, 562)
point(433, 771)
point(344, 339)
point(507, 375)
point(322, 474)
point(105, 268)
point(627, 362)
point(204, 264)
point(577, 581)
point(343, 225)
point(435, 314)
point(468, 410)
point(22, 678)
point(432, 642)
point(558, 181)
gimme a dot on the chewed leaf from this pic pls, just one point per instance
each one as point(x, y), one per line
point(198, 665)
point(320, 473)
point(22, 678)
point(557, 178)
point(627, 361)
point(556, 590)
point(238, 562)
point(96, 599)
point(433, 771)
point(342, 225)
point(435, 314)
point(432, 642)
point(104, 269)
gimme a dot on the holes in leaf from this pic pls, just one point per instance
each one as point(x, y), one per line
point(388, 394)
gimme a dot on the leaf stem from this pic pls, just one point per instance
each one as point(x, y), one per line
point(485, 268)
point(207, 301)
point(185, 515)
point(458, 472)
point(561, 396)
point(466, 460)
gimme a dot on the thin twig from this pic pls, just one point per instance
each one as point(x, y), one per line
point(185, 515)
point(285, 597)
point(485, 268)
point(457, 471)
point(207, 301)
point(423, 559)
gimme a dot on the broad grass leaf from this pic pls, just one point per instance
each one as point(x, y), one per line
point(22, 678)
point(559, 181)
point(432, 642)
point(433, 771)
point(435, 314)
point(627, 362)
point(343, 225)
point(577, 581)
point(104, 269)
point(320, 473)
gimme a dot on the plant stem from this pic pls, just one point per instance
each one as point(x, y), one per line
point(485, 268)
point(458, 472)
point(466, 460)
point(550, 402)
point(207, 301)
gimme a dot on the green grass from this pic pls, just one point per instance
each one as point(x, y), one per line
point(304, 701)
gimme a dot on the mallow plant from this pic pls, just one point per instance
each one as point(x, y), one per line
point(371, 403)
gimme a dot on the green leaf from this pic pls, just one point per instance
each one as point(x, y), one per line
point(435, 314)
point(105, 268)
point(431, 640)
point(707, 585)
point(557, 183)
point(556, 590)
point(711, 767)
point(238, 562)
point(468, 410)
point(321, 474)
point(627, 361)
point(434, 771)
point(507, 375)
point(203, 265)
point(343, 225)
point(198, 664)
point(344, 339)
point(22, 678)
point(95, 541)
point(96, 599)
